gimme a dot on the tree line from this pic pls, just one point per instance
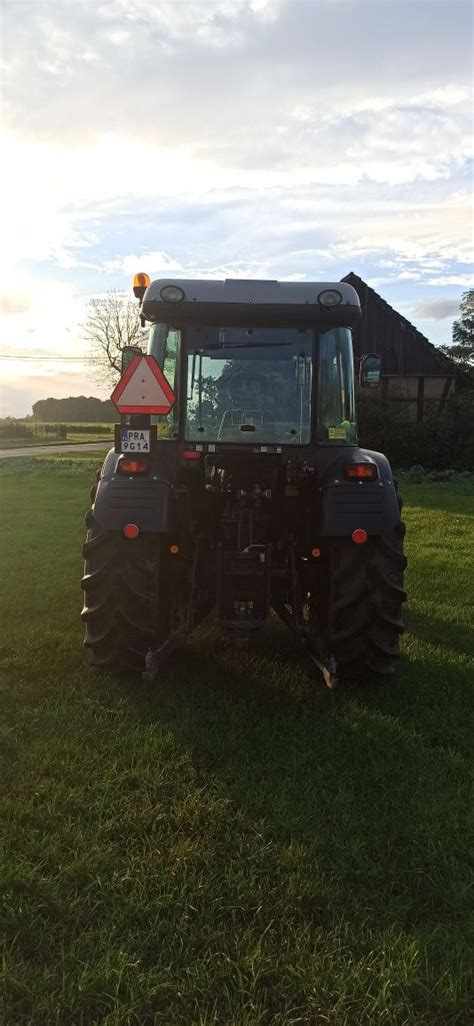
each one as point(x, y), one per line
point(76, 408)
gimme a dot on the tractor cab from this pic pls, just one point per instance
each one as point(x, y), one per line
point(255, 363)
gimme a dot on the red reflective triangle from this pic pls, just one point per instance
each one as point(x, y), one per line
point(143, 388)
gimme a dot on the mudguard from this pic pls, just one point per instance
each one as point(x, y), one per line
point(347, 505)
point(120, 500)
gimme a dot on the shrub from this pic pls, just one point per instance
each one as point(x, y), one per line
point(11, 428)
point(439, 442)
point(89, 429)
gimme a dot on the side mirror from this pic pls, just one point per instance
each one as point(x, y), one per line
point(370, 370)
point(128, 352)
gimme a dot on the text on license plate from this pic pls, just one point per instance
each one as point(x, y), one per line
point(134, 440)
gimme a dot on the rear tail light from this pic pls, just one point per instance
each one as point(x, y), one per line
point(359, 536)
point(126, 466)
point(131, 531)
point(191, 454)
point(360, 471)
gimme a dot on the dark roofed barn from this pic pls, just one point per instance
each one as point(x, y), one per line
point(413, 370)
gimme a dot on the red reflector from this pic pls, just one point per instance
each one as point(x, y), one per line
point(132, 467)
point(190, 454)
point(131, 531)
point(359, 536)
point(361, 471)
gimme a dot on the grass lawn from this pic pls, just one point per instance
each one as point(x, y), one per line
point(238, 846)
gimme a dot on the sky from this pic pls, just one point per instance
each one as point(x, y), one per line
point(295, 139)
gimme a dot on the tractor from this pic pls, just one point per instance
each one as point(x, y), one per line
point(236, 486)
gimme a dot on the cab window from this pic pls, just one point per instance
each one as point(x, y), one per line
point(165, 345)
point(336, 407)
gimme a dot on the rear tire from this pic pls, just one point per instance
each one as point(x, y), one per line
point(356, 606)
point(364, 605)
point(123, 612)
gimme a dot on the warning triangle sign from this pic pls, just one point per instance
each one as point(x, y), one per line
point(143, 388)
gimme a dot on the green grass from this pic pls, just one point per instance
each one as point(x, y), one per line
point(84, 464)
point(238, 846)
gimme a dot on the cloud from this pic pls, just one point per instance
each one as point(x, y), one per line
point(231, 138)
point(231, 101)
point(215, 74)
point(18, 393)
point(13, 302)
point(436, 309)
point(464, 280)
point(46, 326)
point(157, 262)
point(161, 265)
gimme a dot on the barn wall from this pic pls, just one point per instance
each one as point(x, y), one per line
point(421, 395)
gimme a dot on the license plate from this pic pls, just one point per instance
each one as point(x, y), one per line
point(135, 440)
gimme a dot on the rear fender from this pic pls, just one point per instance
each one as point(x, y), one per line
point(141, 500)
point(350, 504)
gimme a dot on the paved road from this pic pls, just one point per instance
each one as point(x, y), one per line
point(36, 450)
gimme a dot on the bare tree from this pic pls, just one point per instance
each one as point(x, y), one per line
point(112, 322)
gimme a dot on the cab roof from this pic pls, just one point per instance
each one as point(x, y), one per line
point(257, 300)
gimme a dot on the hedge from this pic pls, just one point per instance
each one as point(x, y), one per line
point(438, 442)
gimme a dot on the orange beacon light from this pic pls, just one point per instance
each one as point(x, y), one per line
point(141, 282)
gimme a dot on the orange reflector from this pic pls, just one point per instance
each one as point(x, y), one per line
point(361, 471)
point(141, 280)
point(132, 466)
point(359, 536)
point(315, 553)
point(190, 454)
point(174, 549)
point(131, 531)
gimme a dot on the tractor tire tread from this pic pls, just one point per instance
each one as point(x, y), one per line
point(119, 611)
point(364, 620)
